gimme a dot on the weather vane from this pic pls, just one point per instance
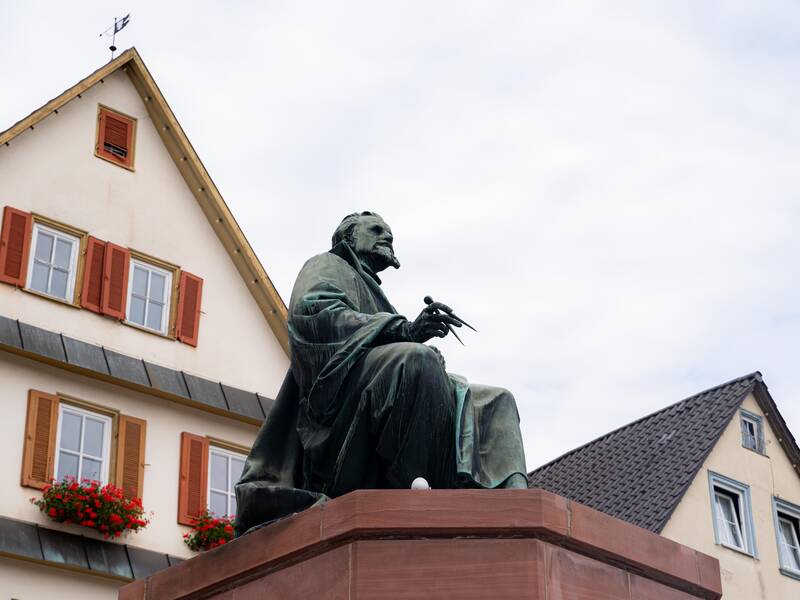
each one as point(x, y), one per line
point(119, 25)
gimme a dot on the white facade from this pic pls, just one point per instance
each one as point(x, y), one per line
point(51, 170)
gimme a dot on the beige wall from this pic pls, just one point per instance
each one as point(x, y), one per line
point(165, 422)
point(743, 577)
point(22, 580)
point(52, 170)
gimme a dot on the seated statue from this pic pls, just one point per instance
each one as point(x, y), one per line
point(366, 404)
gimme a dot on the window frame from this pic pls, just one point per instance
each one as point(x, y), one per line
point(101, 152)
point(228, 453)
point(168, 314)
point(745, 416)
point(75, 277)
point(783, 507)
point(109, 420)
point(740, 490)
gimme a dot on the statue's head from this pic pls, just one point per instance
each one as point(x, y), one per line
point(370, 238)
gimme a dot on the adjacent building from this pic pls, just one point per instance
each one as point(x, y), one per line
point(140, 338)
point(719, 471)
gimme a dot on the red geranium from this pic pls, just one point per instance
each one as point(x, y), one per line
point(100, 507)
point(209, 532)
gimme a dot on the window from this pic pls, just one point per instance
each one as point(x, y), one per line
point(752, 431)
point(224, 470)
point(149, 296)
point(787, 531)
point(115, 137)
point(83, 444)
point(67, 437)
point(209, 470)
point(53, 262)
point(730, 508)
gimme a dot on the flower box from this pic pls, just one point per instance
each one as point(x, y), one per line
point(93, 505)
point(209, 532)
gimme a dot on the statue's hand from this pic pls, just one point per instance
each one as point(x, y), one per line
point(431, 322)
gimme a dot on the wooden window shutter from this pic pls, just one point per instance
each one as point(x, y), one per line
point(15, 245)
point(38, 455)
point(193, 487)
point(129, 473)
point(115, 137)
point(190, 294)
point(114, 294)
point(91, 295)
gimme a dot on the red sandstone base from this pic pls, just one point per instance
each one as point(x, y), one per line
point(432, 544)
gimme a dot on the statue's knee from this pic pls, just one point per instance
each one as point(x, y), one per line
point(418, 358)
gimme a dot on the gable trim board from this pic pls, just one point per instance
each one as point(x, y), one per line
point(136, 374)
point(194, 173)
point(592, 473)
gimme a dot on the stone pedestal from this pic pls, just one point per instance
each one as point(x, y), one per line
point(432, 544)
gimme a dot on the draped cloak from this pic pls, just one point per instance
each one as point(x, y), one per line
point(314, 442)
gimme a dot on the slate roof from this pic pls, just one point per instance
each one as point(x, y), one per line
point(640, 472)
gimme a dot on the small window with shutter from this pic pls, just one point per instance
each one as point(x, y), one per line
point(116, 135)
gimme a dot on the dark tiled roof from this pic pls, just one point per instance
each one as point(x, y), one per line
point(640, 472)
point(31, 541)
point(106, 364)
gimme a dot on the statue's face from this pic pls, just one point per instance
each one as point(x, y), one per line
point(373, 243)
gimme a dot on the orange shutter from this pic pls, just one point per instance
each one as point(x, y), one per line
point(190, 294)
point(15, 245)
point(38, 455)
point(91, 295)
point(193, 488)
point(115, 137)
point(114, 294)
point(130, 456)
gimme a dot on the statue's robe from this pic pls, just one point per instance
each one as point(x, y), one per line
point(358, 410)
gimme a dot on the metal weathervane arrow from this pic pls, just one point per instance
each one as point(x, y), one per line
point(119, 25)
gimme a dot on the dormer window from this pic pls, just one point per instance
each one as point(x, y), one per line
point(115, 137)
point(752, 431)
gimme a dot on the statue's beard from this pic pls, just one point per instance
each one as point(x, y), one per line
point(382, 257)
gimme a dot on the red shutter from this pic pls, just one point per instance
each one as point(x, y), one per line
point(91, 295)
point(38, 455)
point(130, 455)
point(15, 245)
point(114, 294)
point(190, 295)
point(193, 485)
point(115, 137)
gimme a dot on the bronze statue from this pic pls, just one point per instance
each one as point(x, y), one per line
point(366, 404)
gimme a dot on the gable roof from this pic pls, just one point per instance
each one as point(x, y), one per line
point(640, 472)
point(193, 172)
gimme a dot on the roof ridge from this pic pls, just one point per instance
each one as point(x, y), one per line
point(755, 375)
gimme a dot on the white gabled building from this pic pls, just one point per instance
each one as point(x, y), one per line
point(140, 337)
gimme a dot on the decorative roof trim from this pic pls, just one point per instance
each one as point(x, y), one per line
point(193, 172)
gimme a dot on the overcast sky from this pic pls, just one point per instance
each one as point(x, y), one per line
point(607, 191)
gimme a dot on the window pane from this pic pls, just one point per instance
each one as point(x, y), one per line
point(39, 278)
point(137, 310)
point(44, 247)
point(236, 471)
point(219, 472)
point(218, 504)
point(91, 469)
point(139, 281)
point(93, 437)
point(790, 553)
point(70, 431)
point(63, 253)
point(67, 466)
point(154, 312)
point(58, 284)
point(157, 287)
